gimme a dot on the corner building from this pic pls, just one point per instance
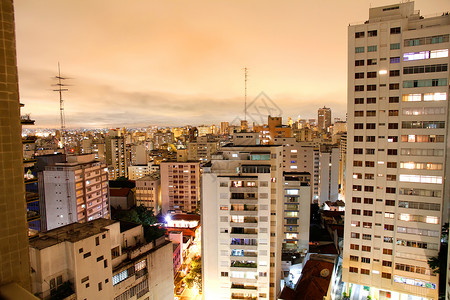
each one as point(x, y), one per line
point(396, 197)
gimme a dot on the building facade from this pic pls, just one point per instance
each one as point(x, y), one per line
point(180, 186)
point(324, 118)
point(241, 222)
point(148, 192)
point(75, 191)
point(396, 197)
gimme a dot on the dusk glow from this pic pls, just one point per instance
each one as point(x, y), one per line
point(180, 62)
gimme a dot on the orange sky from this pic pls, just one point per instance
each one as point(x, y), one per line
point(177, 62)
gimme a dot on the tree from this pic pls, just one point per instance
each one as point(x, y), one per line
point(195, 274)
point(144, 216)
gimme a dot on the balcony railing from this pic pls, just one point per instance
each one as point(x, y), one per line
point(239, 264)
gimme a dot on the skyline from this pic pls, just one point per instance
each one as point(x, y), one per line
point(178, 63)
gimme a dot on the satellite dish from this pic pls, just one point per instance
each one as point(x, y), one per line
point(325, 273)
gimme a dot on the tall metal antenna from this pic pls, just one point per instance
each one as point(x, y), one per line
point(245, 103)
point(60, 89)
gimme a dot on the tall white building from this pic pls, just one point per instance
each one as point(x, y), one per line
point(75, 191)
point(242, 223)
point(396, 199)
point(116, 156)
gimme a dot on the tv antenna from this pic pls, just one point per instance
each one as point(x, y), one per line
point(245, 93)
point(61, 89)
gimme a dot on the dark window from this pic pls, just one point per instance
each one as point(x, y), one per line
point(105, 263)
point(359, 35)
point(356, 212)
point(392, 151)
point(394, 86)
point(359, 113)
point(359, 75)
point(368, 188)
point(371, 126)
point(358, 151)
point(370, 164)
point(357, 188)
point(86, 255)
point(371, 87)
point(368, 200)
point(370, 138)
point(371, 33)
point(97, 241)
point(370, 151)
point(359, 88)
point(356, 200)
point(359, 62)
point(100, 258)
point(396, 30)
point(394, 60)
point(393, 113)
point(371, 74)
point(368, 213)
point(359, 126)
point(391, 164)
point(394, 73)
point(371, 113)
point(394, 99)
point(390, 202)
point(359, 100)
point(393, 126)
point(80, 250)
point(358, 138)
point(372, 61)
point(390, 190)
point(371, 100)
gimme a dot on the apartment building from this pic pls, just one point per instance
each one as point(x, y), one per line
point(101, 259)
point(296, 209)
point(242, 217)
point(148, 192)
point(302, 157)
point(75, 191)
point(324, 118)
point(202, 148)
point(116, 156)
point(180, 186)
point(396, 196)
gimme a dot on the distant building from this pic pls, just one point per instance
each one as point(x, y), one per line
point(75, 191)
point(180, 186)
point(116, 157)
point(139, 171)
point(201, 149)
point(148, 192)
point(324, 118)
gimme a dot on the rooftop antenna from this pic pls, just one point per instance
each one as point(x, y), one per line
point(60, 89)
point(245, 95)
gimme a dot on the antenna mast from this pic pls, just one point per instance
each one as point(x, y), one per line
point(61, 89)
point(245, 99)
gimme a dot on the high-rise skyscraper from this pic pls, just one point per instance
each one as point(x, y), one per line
point(324, 118)
point(242, 223)
point(396, 197)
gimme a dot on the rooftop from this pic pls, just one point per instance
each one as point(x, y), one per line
point(70, 233)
